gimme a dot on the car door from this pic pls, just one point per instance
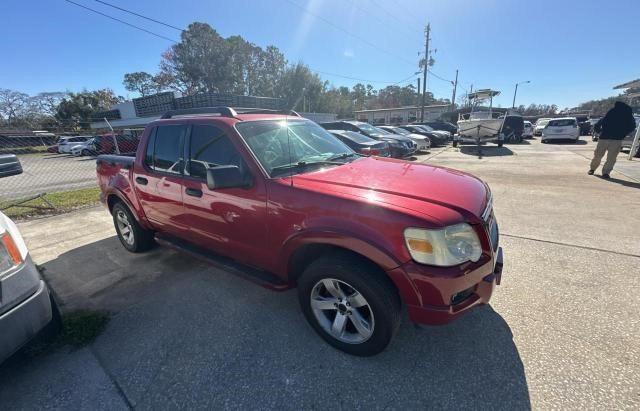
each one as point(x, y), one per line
point(159, 184)
point(229, 221)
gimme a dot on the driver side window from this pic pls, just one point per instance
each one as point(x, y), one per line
point(210, 147)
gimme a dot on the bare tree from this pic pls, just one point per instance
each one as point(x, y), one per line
point(12, 104)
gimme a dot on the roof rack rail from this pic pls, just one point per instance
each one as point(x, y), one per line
point(249, 110)
point(226, 111)
point(223, 111)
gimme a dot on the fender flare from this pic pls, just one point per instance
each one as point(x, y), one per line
point(351, 242)
point(140, 219)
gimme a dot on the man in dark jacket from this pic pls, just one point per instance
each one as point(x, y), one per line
point(613, 127)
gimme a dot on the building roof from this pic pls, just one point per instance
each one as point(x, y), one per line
point(375, 110)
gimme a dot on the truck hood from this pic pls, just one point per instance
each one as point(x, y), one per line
point(420, 187)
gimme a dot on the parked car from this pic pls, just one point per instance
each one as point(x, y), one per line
point(423, 143)
point(437, 138)
point(594, 134)
point(565, 128)
point(9, 165)
point(585, 127)
point(26, 306)
point(360, 237)
point(440, 125)
point(104, 144)
point(362, 144)
point(66, 143)
point(528, 130)
point(86, 148)
point(399, 145)
point(512, 128)
point(52, 149)
point(540, 124)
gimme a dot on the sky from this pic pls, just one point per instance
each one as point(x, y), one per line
point(570, 51)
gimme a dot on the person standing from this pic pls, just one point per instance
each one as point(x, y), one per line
point(613, 127)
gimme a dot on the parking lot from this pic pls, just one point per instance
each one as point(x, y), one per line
point(561, 331)
point(47, 173)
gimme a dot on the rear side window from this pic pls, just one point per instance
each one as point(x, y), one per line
point(167, 148)
point(210, 147)
point(562, 123)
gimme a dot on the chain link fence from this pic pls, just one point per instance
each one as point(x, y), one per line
point(35, 165)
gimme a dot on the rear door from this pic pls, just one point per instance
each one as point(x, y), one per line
point(159, 184)
point(229, 221)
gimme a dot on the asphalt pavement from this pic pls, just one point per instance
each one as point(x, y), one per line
point(560, 332)
point(48, 173)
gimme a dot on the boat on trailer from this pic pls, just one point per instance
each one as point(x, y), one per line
point(480, 126)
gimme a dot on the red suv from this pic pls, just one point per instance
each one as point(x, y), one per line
point(277, 199)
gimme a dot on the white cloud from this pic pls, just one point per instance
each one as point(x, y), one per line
point(348, 53)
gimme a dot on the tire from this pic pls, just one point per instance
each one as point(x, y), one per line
point(133, 237)
point(500, 143)
point(454, 144)
point(86, 152)
point(378, 311)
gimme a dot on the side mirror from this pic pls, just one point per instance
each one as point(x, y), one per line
point(225, 177)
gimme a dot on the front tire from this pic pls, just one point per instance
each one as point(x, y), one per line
point(131, 234)
point(350, 303)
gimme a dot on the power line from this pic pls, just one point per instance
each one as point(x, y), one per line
point(440, 78)
point(347, 32)
point(139, 15)
point(389, 13)
point(122, 21)
point(177, 28)
point(355, 4)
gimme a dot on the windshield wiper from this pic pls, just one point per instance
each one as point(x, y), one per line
point(303, 164)
point(341, 156)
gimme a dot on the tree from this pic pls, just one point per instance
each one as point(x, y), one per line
point(142, 83)
point(12, 104)
point(199, 62)
point(76, 110)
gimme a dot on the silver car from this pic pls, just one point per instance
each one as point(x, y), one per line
point(26, 306)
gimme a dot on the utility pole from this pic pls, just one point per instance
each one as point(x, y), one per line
point(453, 97)
point(425, 68)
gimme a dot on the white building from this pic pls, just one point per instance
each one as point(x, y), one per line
point(400, 115)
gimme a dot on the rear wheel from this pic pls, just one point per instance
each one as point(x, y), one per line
point(350, 304)
point(131, 234)
point(86, 152)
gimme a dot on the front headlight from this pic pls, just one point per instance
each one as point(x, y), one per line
point(450, 246)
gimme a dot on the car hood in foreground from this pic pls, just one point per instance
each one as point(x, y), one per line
point(441, 193)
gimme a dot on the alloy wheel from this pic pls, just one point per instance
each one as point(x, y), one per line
point(124, 227)
point(342, 311)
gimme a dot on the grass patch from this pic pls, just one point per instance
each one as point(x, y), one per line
point(23, 150)
point(63, 202)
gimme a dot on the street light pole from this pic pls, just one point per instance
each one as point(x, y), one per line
point(513, 105)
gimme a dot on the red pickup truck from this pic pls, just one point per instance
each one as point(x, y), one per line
point(277, 199)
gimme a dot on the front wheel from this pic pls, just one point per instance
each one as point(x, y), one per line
point(131, 234)
point(350, 304)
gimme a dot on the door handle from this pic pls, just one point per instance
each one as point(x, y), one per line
point(142, 181)
point(193, 192)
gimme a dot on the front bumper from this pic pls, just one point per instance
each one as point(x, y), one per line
point(447, 293)
point(20, 323)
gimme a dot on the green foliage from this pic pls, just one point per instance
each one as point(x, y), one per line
point(77, 108)
point(143, 83)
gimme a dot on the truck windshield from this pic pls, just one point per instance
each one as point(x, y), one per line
point(290, 147)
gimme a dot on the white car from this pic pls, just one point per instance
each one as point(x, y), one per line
point(528, 130)
point(26, 307)
point(423, 143)
point(65, 144)
point(540, 124)
point(565, 128)
point(85, 148)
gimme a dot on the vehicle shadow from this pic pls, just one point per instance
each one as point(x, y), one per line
point(567, 142)
point(486, 151)
point(197, 336)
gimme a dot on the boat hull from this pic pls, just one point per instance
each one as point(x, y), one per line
point(480, 128)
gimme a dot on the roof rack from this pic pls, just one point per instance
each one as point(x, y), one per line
point(225, 112)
